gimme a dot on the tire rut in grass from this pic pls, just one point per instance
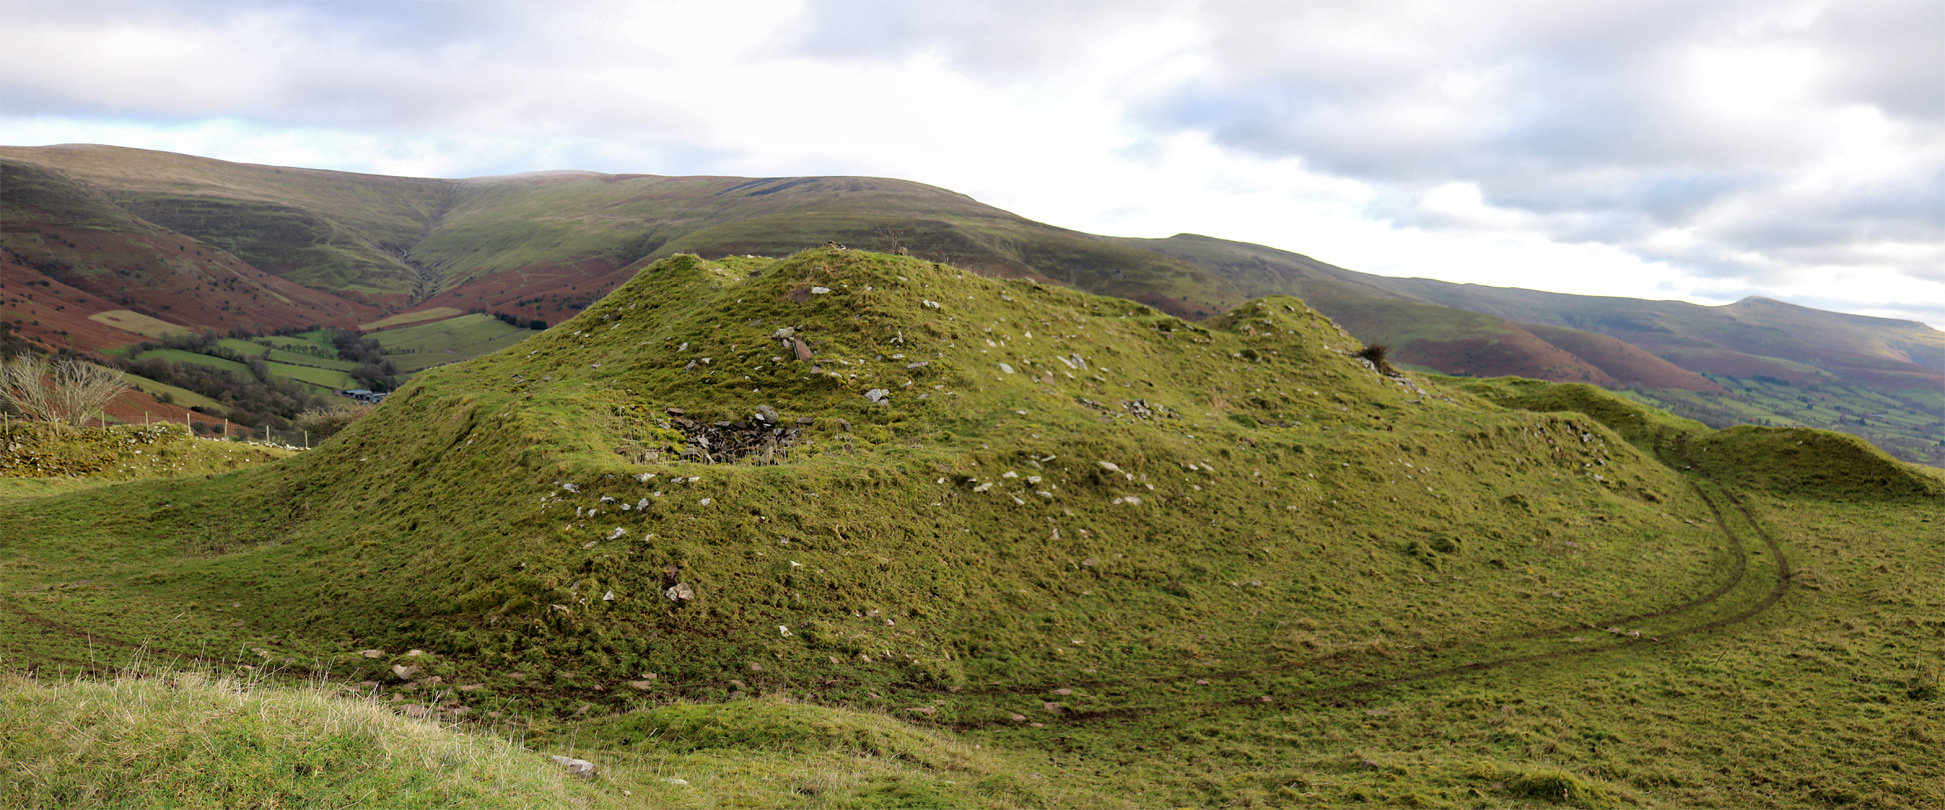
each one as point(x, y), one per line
point(90, 637)
point(1740, 564)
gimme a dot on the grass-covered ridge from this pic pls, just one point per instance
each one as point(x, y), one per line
point(120, 453)
point(1184, 563)
point(200, 740)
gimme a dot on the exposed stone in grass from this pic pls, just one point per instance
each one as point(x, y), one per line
point(578, 767)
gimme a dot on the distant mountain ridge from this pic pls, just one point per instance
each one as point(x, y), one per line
point(92, 231)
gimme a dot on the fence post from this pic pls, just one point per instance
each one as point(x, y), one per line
point(226, 428)
point(307, 439)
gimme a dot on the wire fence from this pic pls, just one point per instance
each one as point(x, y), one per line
point(205, 428)
point(223, 429)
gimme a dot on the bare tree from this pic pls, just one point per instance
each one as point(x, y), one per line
point(66, 391)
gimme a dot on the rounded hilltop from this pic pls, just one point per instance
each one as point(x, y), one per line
point(875, 468)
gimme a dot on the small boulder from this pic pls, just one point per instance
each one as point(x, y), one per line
point(579, 767)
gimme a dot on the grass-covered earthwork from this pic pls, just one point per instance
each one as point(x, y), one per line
point(851, 529)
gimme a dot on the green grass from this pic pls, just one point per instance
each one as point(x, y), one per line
point(1261, 573)
point(201, 739)
point(1907, 423)
point(179, 396)
point(422, 346)
point(320, 374)
point(194, 358)
point(123, 452)
point(299, 358)
point(198, 741)
point(325, 380)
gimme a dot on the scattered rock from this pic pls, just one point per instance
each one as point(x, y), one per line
point(1063, 692)
point(403, 672)
point(679, 592)
point(819, 290)
point(1006, 368)
point(641, 685)
point(877, 395)
point(373, 653)
point(1019, 718)
point(579, 767)
point(802, 350)
point(759, 438)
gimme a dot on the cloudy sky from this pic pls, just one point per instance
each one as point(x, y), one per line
point(1651, 148)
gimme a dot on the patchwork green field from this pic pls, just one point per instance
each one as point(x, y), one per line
point(851, 529)
point(1910, 422)
point(156, 243)
point(421, 346)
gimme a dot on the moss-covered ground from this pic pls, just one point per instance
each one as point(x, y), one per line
point(1125, 558)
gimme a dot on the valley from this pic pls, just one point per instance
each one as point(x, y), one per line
point(861, 529)
point(105, 248)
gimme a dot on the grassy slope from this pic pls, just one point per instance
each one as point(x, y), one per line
point(1864, 365)
point(92, 258)
point(37, 450)
point(179, 396)
point(1385, 562)
point(325, 230)
point(542, 246)
point(528, 226)
point(422, 346)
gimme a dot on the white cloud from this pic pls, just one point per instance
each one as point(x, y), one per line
point(1696, 150)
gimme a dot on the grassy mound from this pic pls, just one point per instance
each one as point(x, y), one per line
point(201, 740)
point(1642, 426)
point(1052, 522)
point(43, 450)
point(197, 741)
point(1813, 463)
point(968, 481)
